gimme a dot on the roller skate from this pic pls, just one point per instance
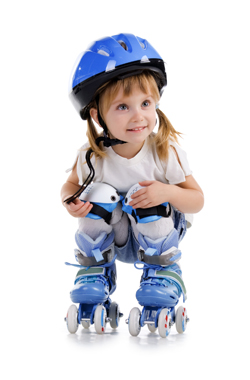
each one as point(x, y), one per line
point(160, 289)
point(95, 282)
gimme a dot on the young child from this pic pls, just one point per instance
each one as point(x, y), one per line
point(131, 189)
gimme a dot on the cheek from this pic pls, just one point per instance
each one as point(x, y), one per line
point(114, 120)
point(113, 123)
point(153, 119)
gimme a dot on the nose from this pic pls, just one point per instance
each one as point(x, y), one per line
point(137, 115)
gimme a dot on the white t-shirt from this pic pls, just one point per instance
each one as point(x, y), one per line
point(123, 173)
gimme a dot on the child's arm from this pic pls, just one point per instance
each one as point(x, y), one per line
point(77, 208)
point(187, 196)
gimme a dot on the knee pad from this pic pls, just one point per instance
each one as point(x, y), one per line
point(145, 215)
point(104, 198)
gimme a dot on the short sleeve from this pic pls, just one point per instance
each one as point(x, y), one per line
point(72, 166)
point(176, 169)
point(81, 166)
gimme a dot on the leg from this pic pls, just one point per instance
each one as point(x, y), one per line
point(158, 235)
point(161, 282)
point(96, 279)
point(161, 269)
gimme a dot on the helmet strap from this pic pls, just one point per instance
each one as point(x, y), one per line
point(107, 142)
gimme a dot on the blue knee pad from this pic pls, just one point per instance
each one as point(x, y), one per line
point(104, 198)
point(146, 215)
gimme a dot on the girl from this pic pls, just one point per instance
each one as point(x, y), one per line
point(132, 189)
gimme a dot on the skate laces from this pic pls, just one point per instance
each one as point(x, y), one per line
point(95, 277)
point(103, 265)
point(91, 279)
point(157, 281)
point(147, 266)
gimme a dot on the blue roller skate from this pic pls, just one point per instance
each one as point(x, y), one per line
point(161, 287)
point(95, 282)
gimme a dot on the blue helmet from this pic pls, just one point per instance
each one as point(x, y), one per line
point(112, 57)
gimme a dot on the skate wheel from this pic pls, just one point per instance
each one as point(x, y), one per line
point(71, 319)
point(134, 326)
point(164, 323)
point(181, 319)
point(100, 319)
point(85, 324)
point(152, 328)
point(114, 314)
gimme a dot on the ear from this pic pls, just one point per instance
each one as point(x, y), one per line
point(93, 114)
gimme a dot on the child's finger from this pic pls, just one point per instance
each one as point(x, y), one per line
point(78, 205)
point(83, 211)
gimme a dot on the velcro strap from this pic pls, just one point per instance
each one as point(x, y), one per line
point(90, 272)
point(100, 211)
point(156, 210)
point(151, 251)
point(91, 261)
point(97, 254)
point(162, 260)
point(174, 276)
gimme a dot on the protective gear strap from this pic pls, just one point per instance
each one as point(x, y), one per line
point(175, 277)
point(90, 272)
point(100, 211)
point(88, 180)
point(97, 254)
point(107, 142)
point(159, 210)
point(91, 261)
point(162, 260)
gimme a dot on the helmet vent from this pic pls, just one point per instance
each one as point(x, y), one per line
point(102, 52)
point(145, 59)
point(143, 46)
point(122, 43)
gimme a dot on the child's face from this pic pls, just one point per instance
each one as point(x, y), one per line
point(131, 118)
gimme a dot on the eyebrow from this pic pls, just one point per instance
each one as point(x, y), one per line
point(121, 100)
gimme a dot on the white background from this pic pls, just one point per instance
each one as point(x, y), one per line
point(206, 48)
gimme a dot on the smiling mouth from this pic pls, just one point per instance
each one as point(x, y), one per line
point(136, 129)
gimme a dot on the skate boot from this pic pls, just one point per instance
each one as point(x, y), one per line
point(95, 282)
point(161, 286)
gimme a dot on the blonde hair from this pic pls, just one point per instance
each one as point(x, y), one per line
point(106, 95)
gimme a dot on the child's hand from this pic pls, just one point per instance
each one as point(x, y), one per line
point(153, 194)
point(78, 209)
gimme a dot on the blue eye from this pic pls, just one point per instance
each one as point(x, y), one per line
point(146, 103)
point(122, 107)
